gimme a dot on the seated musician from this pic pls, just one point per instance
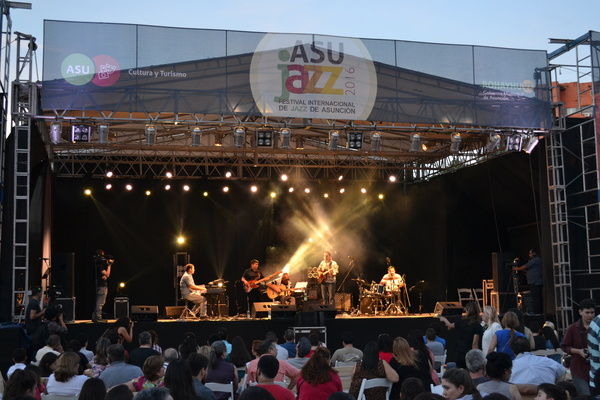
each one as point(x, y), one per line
point(392, 281)
point(192, 292)
point(281, 290)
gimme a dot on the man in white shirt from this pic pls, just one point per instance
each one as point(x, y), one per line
point(192, 292)
point(531, 370)
point(392, 281)
point(52, 346)
point(282, 353)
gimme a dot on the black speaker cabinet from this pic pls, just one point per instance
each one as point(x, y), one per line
point(283, 311)
point(261, 309)
point(63, 266)
point(173, 311)
point(67, 307)
point(310, 319)
point(448, 309)
point(144, 313)
point(121, 307)
point(328, 310)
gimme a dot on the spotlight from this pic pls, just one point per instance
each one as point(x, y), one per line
point(284, 177)
point(55, 132)
point(354, 140)
point(392, 178)
point(129, 186)
point(109, 174)
point(291, 190)
point(286, 135)
point(80, 133)
point(455, 142)
point(150, 134)
point(380, 196)
point(88, 192)
point(148, 192)
point(415, 142)
point(180, 240)
point(363, 190)
point(122, 285)
point(307, 190)
point(375, 141)
point(218, 139)
point(253, 188)
point(108, 186)
point(342, 190)
point(531, 143)
point(169, 174)
point(299, 142)
point(225, 189)
point(239, 134)
point(326, 195)
point(103, 133)
point(186, 188)
point(341, 178)
point(334, 137)
point(167, 187)
point(273, 195)
point(205, 194)
point(514, 142)
point(494, 142)
point(264, 138)
point(228, 174)
point(196, 136)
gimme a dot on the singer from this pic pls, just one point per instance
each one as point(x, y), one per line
point(103, 264)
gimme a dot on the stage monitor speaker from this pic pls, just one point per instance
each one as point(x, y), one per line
point(448, 309)
point(343, 301)
point(310, 319)
point(173, 311)
point(283, 311)
point(144, 313)
point(67, 307)
point(261, 309)
point(63, 265)
point(328, 310)
point(121, 307)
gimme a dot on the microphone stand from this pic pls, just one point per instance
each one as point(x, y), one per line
point(352, 264)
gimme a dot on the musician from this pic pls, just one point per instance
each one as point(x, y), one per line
point(392, 281)
point(283, 289)
point(327, 271)
point(249, 275)
point(192, 292)
point(102, 265)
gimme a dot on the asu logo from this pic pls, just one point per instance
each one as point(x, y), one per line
point(79, 69)
point(313, 77)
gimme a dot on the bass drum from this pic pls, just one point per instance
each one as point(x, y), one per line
point(366, 305)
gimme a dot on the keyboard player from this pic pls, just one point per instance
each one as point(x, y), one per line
point(192, 292)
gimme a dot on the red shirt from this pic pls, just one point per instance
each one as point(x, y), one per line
point(385, 356)
point(306, 391)
point(279, 392)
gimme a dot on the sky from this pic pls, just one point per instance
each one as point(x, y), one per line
point(522, 24)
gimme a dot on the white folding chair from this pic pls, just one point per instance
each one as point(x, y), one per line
point(465, 296)
point(442, 361)
point(221, 387)
point(373, 383)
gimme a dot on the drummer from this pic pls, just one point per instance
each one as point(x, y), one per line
point(392, 281)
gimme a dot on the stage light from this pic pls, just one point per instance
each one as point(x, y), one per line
point(169, 174)
point(109, 174)
point(306, 190)
point(225, 189)
point(264, 138)
point(205, 194)
point(186, 188)
point(342, 190)
point(514, 142)
point(218, 139)
point(108, 186)
point(455, 142)
point(88, 192)
point(284, 177)
point(167, 187)
point(375, 141)
point(299, 142)
point(310, 240)
point(334, 137)
point(354, 140)
point(291, 190)
point(150, 134)
point(196, 136)
point(253, 188)
point(363, 190)
point(180, 240)
point(273, 195)
point(380, 196)
point(129, 186)
point(392, 178)
point(531, 143)
point(103, 131)
point(326, 195)
point(286, 135)
point(148, 192)
point(228, 174)
point(415, 142)
point(341, 178)
point(55, 132)
point(494, 142)
point(239, 135)
point(122, 285)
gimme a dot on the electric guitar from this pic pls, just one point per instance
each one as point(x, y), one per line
point(323, 275)
point(254, 283)
point(272, 293)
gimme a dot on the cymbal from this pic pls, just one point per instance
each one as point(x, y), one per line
point(361, 282)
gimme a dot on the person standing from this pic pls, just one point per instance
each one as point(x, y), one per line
point(535, 280)
point(575, 343)
point(327, 271)
point(34, 311)
point(249, 278)
point(192, 292)
point(103, 265)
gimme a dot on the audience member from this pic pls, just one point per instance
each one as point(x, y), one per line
point(303, 349)
point(436, 347)
point(121, 331)
point(198, 366)
point(457, 384)
point(153, 375)
point(429, 396)
point(570, 389)
point(40, 387)
point(549, 391)
point(348, 353)
point(340, 396)
point(498, 369)
point(290, 342)
point(285, 368)
point(155, 340)
point(93, 389)
point(239, 356)
point(119, 392)
point(48, 364)
point(492, 325)
point(188, 346)
point(74, 346)
point(256, 393)
point(538, 339)
point(179, 381)
point(425, 358)
point(385, 344)
point(65, 381)
point(529, 369)
point(83, 339)
point(469, 332)
point(220, 370)
point(594, 349)
point(282, 353)
point(475, 360)
point(318, 380)
point(55, 321)
point(266, 371)
point(139, 355)
point(21, 383)
point(223, 334)
point(53, 345)
point(155, 393)
point(170, 355)
point(504, 337)
point(405, 362)
point(411, 387)
point(19, 356)
point(118, 372)
point(372, 366)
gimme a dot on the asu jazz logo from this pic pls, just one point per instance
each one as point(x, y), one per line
point(310, 76)
point(79, 69)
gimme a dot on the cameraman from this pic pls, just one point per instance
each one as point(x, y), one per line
point(575, 343)
point(102, 264)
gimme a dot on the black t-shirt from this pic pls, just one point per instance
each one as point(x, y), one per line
point(251, 275)
point(466, 332)
point(101, 264)
point(139, 355)
point(31, 325)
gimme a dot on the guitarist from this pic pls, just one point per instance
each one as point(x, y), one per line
point(248, 277)
point(327, 270)
point(282, 290)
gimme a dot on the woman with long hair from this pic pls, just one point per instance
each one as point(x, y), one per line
point(120, 331)
point(48, 364)
point(371, 367)
point(406, 364)
point(20, 384)
point(239, 355)
point(40, 386)
point(188, 346)
point(469, 332)
point(93, 389)
point(492, 325)
point(100, 359)
point(178, 379)
point(220, 370)
point(317, 378)
point(425, 357)
point(65, 381)
point(457, 384)
point(498, 369)
point(504, 337)
point(154, 372)
point(385, 343)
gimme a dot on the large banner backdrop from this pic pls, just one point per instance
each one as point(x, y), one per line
point(137, 68)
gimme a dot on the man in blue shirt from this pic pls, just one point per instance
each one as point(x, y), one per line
point(535, 280)
point(198, 365)
point(594, 349)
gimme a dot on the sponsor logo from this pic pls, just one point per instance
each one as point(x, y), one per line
point(79, 69)
point(313, 77)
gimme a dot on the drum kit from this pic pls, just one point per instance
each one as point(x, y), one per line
point(377, 300)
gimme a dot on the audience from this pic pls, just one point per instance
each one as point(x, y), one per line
point(188, 346)
point(239, 356)
point(385, 343)
point(118, 372)
point(318, 380)
point(93, 389)
point(504, 337)
point(53, 346)
point(154, 373)
point(285, 368)
point(469, 331)
point(48, 364)
point(372, 366)
point(155, 393)
point(457, 384)
point(179, 380)
point(100, 359)
point(265, 374)
point(119, 392)
point(198, 366)
point(290, 345)
point(492, 325)
point(65, 381)
point(139, 355)
point(499, 368)
point(21, 383)
point(303, 349)
point(405, 363)
point(282, 353)
point(549, 391)
point(530, 369)
point(348, 353)
point(411, 387)
point(256, 393)
point(19, 357)
point(476, 361)
point(220, 370)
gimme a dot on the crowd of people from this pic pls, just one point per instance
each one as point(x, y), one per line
point(494, 361)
